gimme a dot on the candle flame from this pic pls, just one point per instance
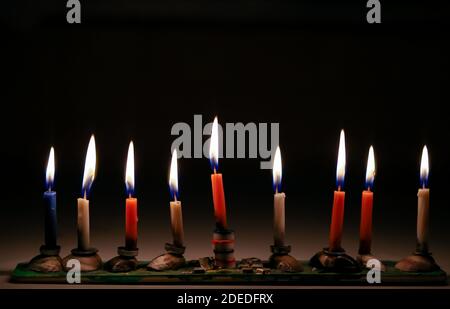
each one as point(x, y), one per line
point(277, 170)
point(50, 173)
point(173, 175)
point(370, 171)
point(424, 167)
point(340, 170)
point(89, 167)
point(129, 171)
point(214, 146)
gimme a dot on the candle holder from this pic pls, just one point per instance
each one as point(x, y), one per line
point(125, 261)
point(223, 247)
point(419, 261)
point(280, 259)
point(362, 259)
point(171, 260)
point(334, 261)
point(47, 261)
point(88, 258)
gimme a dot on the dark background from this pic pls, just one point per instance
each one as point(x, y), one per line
point(132, 69)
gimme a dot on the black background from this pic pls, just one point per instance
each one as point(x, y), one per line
point(131, 70)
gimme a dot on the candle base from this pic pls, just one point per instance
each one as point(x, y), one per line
point(362, 259)
point(223, 247)
point(334, 261)
point(418, 262)
point(171, 260)
point(47, 261)
point(125, 261)
point(281, 260)
point(88, 258)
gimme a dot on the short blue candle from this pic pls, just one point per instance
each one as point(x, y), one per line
point(50, 219)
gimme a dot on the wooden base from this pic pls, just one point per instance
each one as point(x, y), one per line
point(187, 275)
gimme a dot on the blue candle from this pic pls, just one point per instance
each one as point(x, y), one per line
point(50, 204)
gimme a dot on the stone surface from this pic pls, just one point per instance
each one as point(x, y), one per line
point(363, 259)
point(285, 263)
point(166, 261)
point(120, 264)
point(46, 264)
point(250, 263)
point(87, 263)
point(417, 263)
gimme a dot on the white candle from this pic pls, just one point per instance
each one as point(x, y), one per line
point(176, 219)
point(83, 224)
point(176, 216)
point(278, 203)
point(83, 203)
point(423, 204)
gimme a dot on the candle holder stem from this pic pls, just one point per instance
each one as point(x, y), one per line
point(223, 247)
point(171, 260)
point(281, 260)
point(47, 261)
point(88, 258)
point(334, 261)
point(125, 261)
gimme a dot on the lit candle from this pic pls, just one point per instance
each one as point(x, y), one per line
point(131, 211)
point(50, 203)
point(337, 217)
point(83, 203)
point(216, 179)
point(278, 202)
point(365, 229)
point(423, 204)
point(176, 215)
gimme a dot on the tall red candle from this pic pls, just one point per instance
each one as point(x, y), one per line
point(216, 179)
point(365, 229)
point(337, 216)
point(131, 210)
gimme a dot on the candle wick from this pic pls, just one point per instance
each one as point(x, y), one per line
point(84, 194)
point(215, 170)
point(339, 187)
point(276, 190)
point(368, 188)
point(175, 197)
point(129, 195)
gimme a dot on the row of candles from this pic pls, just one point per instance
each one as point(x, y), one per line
point(131, 204)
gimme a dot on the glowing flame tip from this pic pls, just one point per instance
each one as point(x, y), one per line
point(277, 170)
point(89, 166)
point(370, 171)
point(173, 175)
point(424, 167)
point(340, 170)
point(129, 171)
point(50, 173)
point(214, 145)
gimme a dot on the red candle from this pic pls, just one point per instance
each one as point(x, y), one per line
point(216, 179)
point(337, 216)
point(365, 229)
point(131, 216)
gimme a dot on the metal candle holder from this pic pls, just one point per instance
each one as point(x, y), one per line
point(47, 261)
point(280, 259)
point(223, 247)
point(88, 258)
point(334, 261)
point(171, 260)
point(125, 261)
point(420, 261)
